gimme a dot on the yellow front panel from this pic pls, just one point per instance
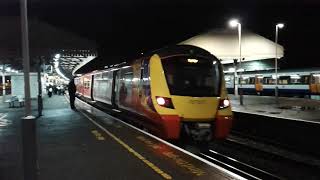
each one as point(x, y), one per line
point(195, 107)
point(190, 108)
point(158, 85)
point(224, 95)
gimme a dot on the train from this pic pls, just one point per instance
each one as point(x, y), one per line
point(291, 83)
point(175, 91)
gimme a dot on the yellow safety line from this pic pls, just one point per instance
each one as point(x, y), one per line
point(132, 151)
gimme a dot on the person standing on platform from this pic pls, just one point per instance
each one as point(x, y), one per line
point(72, 93)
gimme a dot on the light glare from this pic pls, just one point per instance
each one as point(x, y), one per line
point(57, 56)
point(280, 25)
point(161, 101)
point(233, 23)
point(192, 60)
point(226, 103)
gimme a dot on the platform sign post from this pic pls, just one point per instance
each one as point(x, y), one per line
point(235, 79)
point(40, 102)
point(235, 23)
point(25, 55)
point(276, 91)
point(240, 64)
point(29, 143)
point(3, 84)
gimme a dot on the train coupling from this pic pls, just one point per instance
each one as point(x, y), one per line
point(198, 131)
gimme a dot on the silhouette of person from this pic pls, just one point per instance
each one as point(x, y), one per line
point(123, 93)
point(72, 93)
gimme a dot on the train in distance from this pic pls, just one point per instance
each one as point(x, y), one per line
point(176, 92)
point(291, 82)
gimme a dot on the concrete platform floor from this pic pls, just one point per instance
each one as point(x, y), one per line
point(288, 107)
point(89, 144)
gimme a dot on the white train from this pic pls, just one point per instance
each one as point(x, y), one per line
point(302, 82)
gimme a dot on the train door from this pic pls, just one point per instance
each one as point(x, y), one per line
point(314, 85)
point(115, 78)
point(136, 86)
point(91, 87)
point(115, 89)
point(258, 84)
point(144, 87)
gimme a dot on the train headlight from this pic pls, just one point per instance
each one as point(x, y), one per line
point(161, 101)
point(224, 103)
point(164, 102)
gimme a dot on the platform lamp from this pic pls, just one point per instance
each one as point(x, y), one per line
point(278, 26)
point(235, 23)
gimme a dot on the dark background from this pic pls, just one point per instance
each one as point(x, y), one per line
point(124, 28)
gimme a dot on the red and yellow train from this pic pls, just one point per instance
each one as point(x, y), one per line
point(177, 90)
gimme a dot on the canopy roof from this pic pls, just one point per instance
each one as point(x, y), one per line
point(224, 44)
point(45, 42)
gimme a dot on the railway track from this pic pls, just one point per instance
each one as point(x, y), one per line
point(236, 166)
point(276, 149)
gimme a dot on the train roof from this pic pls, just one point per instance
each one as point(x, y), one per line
point(163, 52)
point(181, 49)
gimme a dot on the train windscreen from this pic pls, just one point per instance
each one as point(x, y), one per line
point(189, 76)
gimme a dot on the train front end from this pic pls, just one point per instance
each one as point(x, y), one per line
point(188, 91)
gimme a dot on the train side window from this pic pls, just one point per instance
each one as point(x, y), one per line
point(145, 77)
point(98, 76)
point(245, 80)
point(295, 79)
point(317, 80)
point(269, 80)
point(252, 80)
point(106, 75)
point(284, 80)
point(305, 79)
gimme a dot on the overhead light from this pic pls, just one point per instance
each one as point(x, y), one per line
point(125, 67)
point(233, 23)
point(193, 61)
point(57, 56)
point(280, 25)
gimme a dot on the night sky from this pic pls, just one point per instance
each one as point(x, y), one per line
point(123, 28)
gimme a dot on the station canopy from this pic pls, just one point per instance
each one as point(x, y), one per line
point(46, 42)
point(224, 44)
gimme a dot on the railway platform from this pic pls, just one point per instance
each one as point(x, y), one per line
point(293, 123)
point(89, 144)
point(302, 109)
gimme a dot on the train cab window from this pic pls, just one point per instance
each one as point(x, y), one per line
point(192, 76)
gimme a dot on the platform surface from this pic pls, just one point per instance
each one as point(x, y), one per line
point(90, 144)
point(303, 109)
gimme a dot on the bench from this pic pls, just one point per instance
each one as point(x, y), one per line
point(15, 99)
